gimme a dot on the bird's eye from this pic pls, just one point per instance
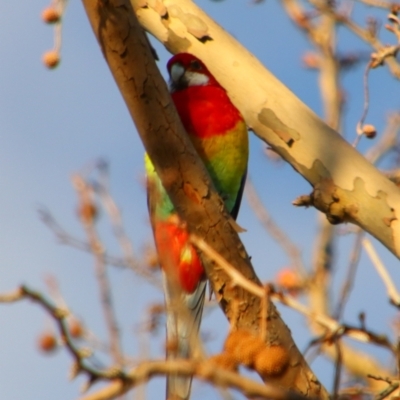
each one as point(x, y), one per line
point(195, 65)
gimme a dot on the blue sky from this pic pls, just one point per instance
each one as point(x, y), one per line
point(54, 123)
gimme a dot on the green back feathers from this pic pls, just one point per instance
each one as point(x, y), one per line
point(225, 157)
point(159, 203)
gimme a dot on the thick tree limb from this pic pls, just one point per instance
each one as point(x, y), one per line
point(347, 188)
point(128, 55)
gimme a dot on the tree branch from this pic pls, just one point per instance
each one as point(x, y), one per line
point(185, 178)
point(347, 188)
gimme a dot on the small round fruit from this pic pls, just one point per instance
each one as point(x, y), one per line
point(288, 279)
point(51, 59)
point(88, 212)
point(76, 329)
point(272, 361)
point(50, 15)
point(369, 131)
point(47, 342)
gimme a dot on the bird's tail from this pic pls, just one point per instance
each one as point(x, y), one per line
point(184, 312)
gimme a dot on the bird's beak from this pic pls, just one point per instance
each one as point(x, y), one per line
point(176, 73)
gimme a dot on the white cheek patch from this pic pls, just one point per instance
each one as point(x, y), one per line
point(196, 78)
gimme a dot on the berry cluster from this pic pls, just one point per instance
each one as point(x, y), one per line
point(243, 348)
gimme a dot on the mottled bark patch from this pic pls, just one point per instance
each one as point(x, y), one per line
point(269, 119)
point(355, 205)
point(177, 43)
point(193, 23)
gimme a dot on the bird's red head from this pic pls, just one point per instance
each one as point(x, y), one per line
point(187, 70)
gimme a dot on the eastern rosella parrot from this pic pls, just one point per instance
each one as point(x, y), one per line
point(219, 135)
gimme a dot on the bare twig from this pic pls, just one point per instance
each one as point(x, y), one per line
point(60, 316)
point(335, 329)
point(204, 370)
point(65, 238)
point(351, 274)
point(383, 54)
point(387, 140)
point(12, 296)
point(360, 124)
point(338, 369)
point(84, 192)
point(122, 382)
point(388, 391)
point(272, 228)
point(236, 276)
point(114, 213)
point(391, 290)
point(333, 326)
point(237, 279)
point(392, 386)
point(377, 3)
